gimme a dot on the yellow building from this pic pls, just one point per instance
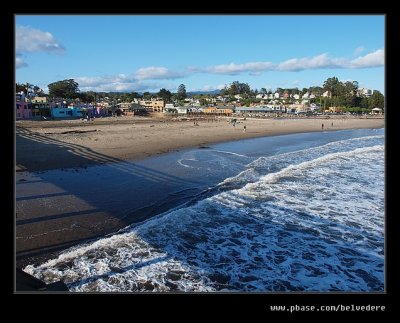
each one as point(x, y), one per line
point(335, 110)
point(214, 110)
point(210, 110)
point(153, 105)
point(225, 111)
point(39, 99)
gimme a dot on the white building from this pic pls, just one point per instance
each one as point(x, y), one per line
point(365, 92)
point(327, 94)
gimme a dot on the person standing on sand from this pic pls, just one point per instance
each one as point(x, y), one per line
point(322, 126)
point(332, 124)
point(244, 128)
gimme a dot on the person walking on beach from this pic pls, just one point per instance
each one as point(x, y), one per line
point(332, 123)
point(322, 126)
point(244, 128)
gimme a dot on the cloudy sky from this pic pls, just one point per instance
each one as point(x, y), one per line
point(146, 53)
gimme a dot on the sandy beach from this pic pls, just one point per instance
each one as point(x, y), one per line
point(43, 145)
point(60, 202)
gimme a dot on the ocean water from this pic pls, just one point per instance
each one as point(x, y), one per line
point(301, 212)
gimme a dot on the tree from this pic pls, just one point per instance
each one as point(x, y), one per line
point(20, 88)
point(263, 90)
point(29, 88)
point(203, 101)
point(38, 91)
point(224, 91)
point(239, 88)
point(64, 89)
point(135, 95)
point(332, 85)
point(86, 97)
point(234, 88)
point(376, 100)
point(165, 95)
point(181, 92)
point(146, 96)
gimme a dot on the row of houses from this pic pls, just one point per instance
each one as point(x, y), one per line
point(39, 107)
point(224, 110)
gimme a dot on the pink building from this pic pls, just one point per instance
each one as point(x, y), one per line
point(24, 110)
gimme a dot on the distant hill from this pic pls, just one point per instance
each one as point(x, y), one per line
point(214, 92)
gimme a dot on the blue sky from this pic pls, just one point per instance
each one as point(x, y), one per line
point(145, 53)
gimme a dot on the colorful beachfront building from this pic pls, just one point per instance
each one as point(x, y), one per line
point(218, 110)
point(40, 107)
point(153, 105)
point(23, 108)
point(66, 112)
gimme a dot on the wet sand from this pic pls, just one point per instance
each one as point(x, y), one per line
point(57, 197)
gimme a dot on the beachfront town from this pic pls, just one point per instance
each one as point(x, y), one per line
point(66, 101)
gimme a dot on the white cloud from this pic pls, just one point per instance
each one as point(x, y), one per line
point(233, 69)
point(359, 50)
point(120, 82)
point(19, 62)
point(321, 61)
point(29, 39)
point(374, 59)
point(212, 87)
point(154, 72)
point(220, 86)
point(134, 82)
point(316, 62)
point(98, 81)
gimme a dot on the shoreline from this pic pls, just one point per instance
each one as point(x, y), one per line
point(45, 145)
point(56, 201)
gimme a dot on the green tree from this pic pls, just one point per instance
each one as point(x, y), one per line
point(224, 91)
point(86, 97)
point(203, 101)
point(234, 88)
point(332, 85)
point(165, 95)
point(181, 92)
point(20, 88)
point(146, 96)
point(239, 88)
point(37, 90)
point(29, 88)
point(64, 89)
point(376, 100)
point(135, 95)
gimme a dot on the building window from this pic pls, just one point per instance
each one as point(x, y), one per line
point(18, 107)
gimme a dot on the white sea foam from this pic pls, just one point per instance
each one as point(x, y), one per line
point(310, 220)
